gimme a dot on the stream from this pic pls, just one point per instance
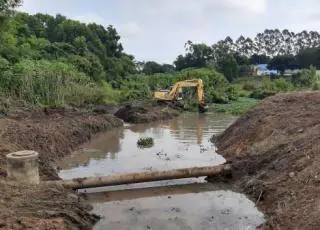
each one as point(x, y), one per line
point(175, 204)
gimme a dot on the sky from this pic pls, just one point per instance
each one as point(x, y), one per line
point(158, 29)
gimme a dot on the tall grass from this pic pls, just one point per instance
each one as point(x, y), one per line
point(50, 83)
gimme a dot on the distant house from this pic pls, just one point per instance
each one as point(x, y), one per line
point(290, 72)
point(262, 70)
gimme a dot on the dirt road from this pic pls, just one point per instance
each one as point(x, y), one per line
point(275, 151)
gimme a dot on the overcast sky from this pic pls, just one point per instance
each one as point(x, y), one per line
point(158, 29)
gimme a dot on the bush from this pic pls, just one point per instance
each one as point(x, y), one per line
point(283, 85)
point(248, 87)
point(238, 107)
point(216, 87)
point(316, 85)
point(145, 142)
point(50, 83)
point(305, 78)
point(260, 94)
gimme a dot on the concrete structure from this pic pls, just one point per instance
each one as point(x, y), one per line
point(290, 72)
point(262, 70)
point(23, 167)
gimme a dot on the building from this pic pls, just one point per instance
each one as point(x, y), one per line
point(262, 70)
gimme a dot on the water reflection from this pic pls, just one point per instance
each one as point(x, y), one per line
point(181, 142)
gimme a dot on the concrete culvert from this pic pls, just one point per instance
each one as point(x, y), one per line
point(22, 166)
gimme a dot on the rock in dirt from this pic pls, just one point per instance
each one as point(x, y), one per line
point(279, 136)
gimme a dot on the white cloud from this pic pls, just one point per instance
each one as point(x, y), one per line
point(130, 30)
point(158, 29)
point(253, 6)
point(91, 18)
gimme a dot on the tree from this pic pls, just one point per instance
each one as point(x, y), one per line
point(283, 62)
point(256, 59)
point(197, 55)
point(229, 67)
point(309, 56)
point(167, 68)
point(152, 67)
point(8, 5)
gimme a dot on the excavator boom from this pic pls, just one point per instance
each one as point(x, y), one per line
point(173, 94)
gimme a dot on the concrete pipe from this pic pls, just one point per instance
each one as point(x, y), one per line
point(23, 167)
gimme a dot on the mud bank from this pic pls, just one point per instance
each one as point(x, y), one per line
point(147, 112)
point(275, 151)
point(54, 134)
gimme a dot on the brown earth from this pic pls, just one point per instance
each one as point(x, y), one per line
point(147, 112)
point(275, 151)
point(53, 133)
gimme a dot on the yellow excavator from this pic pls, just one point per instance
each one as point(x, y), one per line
point(174, 93)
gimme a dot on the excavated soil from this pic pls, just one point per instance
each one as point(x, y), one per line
point(53, 133)
point(275, 152)
point(147, 112)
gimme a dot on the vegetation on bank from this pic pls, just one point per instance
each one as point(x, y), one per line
point(236, 108)
point(55, 61)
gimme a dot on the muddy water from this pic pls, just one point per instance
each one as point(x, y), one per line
point(176, 204)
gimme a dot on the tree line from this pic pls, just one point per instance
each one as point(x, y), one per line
point(53, 61)
point(281, 50)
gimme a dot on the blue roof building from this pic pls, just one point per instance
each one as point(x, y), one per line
point(262, 69)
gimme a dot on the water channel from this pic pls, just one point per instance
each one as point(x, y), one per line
point(176, 204)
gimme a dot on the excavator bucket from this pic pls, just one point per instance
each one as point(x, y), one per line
point(203, 108)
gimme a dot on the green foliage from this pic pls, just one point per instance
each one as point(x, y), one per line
point(261, 94)
point(152, 67)
point(316, 85)
point(283, 85)
point(229, 67)
point(145, 142)
point(135, 90)
point(49, 83)
point(283, 62)
point(238, 107)
point(6, 5)
point(305, 78)
point(93, 49)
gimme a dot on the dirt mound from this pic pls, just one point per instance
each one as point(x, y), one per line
point(54, 134)
point(42, 207)
point(275, 151)
point(138, 114)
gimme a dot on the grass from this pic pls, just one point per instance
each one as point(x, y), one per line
point(145, 142)
point(236, 108)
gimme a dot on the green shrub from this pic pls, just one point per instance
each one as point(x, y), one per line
point(316, 85)
point(283, 84)
point(305, 78)
point(260, 94)
point(238, 107)
point(50, 83)
point(145, 142)
point(248, 87)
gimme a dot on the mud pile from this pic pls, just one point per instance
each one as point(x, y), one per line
point(54, 134)
point(144, 114)
point(275, 151)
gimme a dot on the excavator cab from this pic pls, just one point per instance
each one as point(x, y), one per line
point(175, 93)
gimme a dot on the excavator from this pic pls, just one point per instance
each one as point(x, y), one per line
point(174, 93)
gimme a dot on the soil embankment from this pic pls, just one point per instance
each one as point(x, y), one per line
point(275, 152)
point(147, 112)
point(54, 133)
